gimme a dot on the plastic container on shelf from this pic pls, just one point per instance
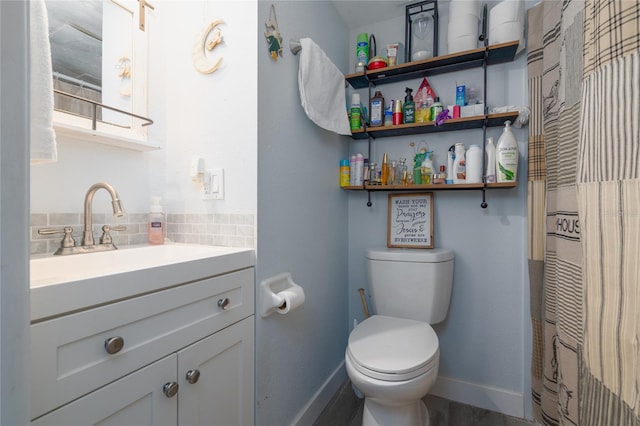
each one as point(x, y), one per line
point(376, 109)
point(490, 167)
point(352, 171)
point(345, 172)
point(359, 170)
point(459, 165)
point(473, 163)
point(362, 48)
point(355, 111)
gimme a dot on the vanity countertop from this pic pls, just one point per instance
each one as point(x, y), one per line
point(65, 284)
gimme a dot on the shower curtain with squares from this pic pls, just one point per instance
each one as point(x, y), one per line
point(584, 211)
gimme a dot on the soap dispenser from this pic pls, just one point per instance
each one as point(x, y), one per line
point(409, 107)
point(156, 222)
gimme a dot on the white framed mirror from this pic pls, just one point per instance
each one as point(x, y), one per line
point(99, 54)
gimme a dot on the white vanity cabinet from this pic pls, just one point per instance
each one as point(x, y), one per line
point(182, 355)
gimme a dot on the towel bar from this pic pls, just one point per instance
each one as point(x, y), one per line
point(294, 46)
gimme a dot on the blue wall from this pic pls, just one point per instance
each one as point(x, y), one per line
point(302, 222)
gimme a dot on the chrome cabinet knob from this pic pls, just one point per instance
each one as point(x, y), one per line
point(170, 389)
point(224, 303)
point(113, 345)
point(193, 376)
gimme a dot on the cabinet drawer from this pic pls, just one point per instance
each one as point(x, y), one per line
point(69, 357)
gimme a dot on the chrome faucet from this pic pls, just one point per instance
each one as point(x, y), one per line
point(68, 243)
point(118, 211)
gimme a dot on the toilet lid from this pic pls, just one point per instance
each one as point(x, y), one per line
point(384, 346)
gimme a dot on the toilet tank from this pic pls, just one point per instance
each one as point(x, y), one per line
point(410, 283)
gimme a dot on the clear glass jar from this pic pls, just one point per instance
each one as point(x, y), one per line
point(393, 170)
point(401, 173)
point(374, 174)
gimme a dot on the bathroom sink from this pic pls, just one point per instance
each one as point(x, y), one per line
point(56, 269)
point(61, 284)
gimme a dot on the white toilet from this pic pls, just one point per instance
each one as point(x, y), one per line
point(392, 357)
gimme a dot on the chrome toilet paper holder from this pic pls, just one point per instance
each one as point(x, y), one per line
point(270, 300)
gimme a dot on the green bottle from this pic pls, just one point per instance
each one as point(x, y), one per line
point(409, 107)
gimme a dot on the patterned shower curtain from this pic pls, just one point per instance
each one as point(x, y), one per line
point(584, 211)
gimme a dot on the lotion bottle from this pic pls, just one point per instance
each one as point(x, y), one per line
point(507, 155)
point(157, 224)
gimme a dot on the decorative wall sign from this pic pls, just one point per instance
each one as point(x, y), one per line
point(204, 44)
point(410, 220)
point(274, 39)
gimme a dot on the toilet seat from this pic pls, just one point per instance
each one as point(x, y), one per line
point(393, 349)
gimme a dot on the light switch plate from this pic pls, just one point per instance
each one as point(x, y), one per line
point(213, 188)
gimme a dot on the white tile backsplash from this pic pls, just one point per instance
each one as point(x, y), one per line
point(229, 230)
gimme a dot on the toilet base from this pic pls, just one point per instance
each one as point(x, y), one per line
point(376, 414)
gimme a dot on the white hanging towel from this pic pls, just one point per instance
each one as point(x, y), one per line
point(43, 137)
point(322, 89)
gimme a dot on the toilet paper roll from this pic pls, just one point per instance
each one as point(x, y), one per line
point(506, 23)
point(462, 43)
point(463, 25)
point(457, 7)
point(507, 11)
point(293, 297)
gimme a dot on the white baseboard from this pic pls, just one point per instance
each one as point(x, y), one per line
point(490, 398)
point(321, 398)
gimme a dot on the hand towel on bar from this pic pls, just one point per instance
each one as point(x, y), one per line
point(322, 89)
point(43, 137)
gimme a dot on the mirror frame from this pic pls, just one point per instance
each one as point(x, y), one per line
point(79, 128)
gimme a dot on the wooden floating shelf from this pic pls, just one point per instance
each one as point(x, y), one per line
point(432, 187)
point(476, 122)
point(496, 54)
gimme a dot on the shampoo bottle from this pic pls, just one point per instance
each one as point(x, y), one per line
point(409, 107)
point(459, 165)
point(507, 155)
point(473, 164)
point(157, 224)
point(436, 109)
point(490, 168)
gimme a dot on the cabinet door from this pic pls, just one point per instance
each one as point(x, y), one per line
point(137, 399)
point(223, 392)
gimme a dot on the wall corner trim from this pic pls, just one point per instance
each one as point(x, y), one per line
point(310, 412)
point(490, 398)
